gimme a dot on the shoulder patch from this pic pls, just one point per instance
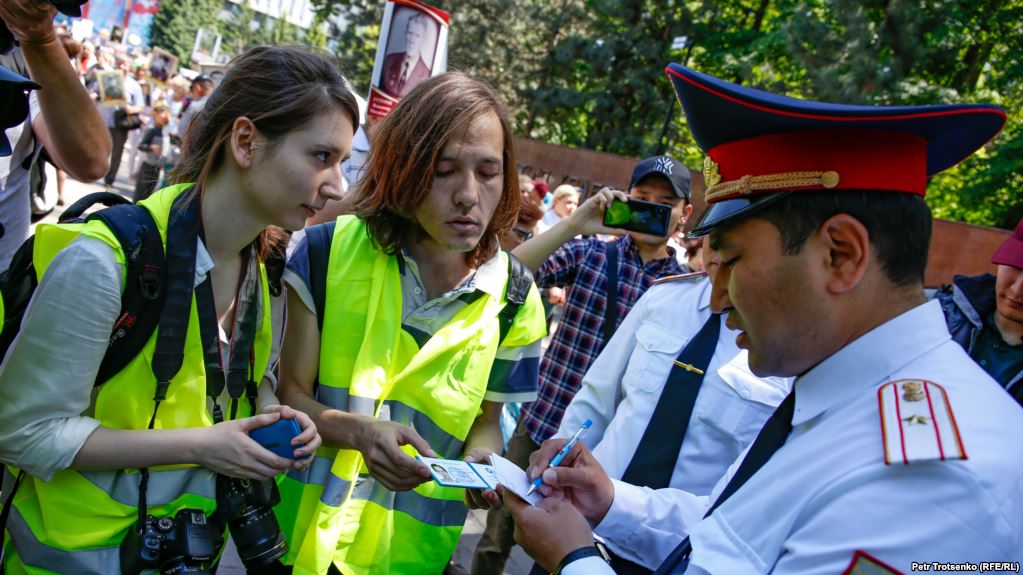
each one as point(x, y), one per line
point(680, 277)
point(865, 564)
point(917, 423)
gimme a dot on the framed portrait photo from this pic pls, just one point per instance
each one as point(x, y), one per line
point(162, 65)
point(412, 48)
point(111, 87)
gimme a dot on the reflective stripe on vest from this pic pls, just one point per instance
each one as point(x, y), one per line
point(80, 517)
point(334, 510)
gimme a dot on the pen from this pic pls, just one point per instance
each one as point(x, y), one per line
point(560, 455)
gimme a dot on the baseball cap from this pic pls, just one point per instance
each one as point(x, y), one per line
point(667, 167)
point(13, 103)
point(1010, 253)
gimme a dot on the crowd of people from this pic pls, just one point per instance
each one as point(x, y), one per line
point(772, 391)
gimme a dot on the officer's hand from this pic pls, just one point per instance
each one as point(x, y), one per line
point(380, 442)
point(548, 531)
point(588, 218)
point(229, 450)
point(579, 478)
point(308, 439)
point(481, 498)
point(29, 20)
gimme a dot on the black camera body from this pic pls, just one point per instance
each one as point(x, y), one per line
point(185, 543)
point(247, 507)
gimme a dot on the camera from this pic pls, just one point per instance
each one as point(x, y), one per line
point(185, 543)
point(247, 506)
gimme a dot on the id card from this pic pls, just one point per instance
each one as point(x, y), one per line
point(455, 473)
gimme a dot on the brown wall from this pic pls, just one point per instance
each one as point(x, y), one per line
point(956, 248)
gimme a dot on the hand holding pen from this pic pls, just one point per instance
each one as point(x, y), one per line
point(560, 456)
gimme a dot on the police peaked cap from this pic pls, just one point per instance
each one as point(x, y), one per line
point(760, 146)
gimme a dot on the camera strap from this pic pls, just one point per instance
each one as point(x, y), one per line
point(184, 230)
point(239, 373)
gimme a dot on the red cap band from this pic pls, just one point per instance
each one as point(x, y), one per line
point(863, 159)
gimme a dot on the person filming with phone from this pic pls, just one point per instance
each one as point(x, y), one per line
point(598, 272)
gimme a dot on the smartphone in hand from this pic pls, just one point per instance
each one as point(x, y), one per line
point(639, 216)
point(277, 437)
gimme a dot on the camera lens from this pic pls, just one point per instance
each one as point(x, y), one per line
point(258, 538)
point(248, 508)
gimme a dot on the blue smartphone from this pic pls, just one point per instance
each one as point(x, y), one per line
point(277, 437)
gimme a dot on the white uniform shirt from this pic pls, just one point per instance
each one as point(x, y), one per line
point(827, 493)
point(620, 392)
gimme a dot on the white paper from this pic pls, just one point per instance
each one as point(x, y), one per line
point(514, 479)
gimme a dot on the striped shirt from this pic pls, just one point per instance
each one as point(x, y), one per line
point(513, 376)
point(581, 265)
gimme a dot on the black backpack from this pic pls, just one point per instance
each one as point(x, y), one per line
point(143, 296)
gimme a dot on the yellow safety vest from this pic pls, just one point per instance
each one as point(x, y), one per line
point(75, 522)
point(335, 511)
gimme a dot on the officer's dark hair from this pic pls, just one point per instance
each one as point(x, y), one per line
point(899, 225)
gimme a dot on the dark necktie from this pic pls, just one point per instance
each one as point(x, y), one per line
point(769, 440)
point(654, 461)
point(403, 76)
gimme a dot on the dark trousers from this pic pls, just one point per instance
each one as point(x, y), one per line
point(119, 136)
point(498, 538)
point(145, 183)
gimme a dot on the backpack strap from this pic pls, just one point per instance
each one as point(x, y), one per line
point(520, 279)
point(319, 239)
point(143, 297)
point(611, 306)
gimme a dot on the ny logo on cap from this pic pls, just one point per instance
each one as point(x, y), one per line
point(664, 165)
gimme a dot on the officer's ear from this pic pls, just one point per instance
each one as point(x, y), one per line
point(245, 140)
point(847, 252)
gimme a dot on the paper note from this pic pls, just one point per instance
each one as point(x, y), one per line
point(514, 479)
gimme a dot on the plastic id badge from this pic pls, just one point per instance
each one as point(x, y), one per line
point(455, 473)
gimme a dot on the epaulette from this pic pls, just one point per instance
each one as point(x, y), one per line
point(676, 277)
point(917, 423)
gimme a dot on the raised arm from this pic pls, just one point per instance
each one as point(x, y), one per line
point(587, 219)
point(69, 126)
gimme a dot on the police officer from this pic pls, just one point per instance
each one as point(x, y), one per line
point(894, 447)
point(670, 361)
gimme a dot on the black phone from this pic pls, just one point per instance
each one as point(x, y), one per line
point(639, 216)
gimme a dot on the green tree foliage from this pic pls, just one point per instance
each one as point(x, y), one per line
point(177, 21)
point(590, 73)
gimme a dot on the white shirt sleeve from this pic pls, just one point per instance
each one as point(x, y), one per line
point(46, 379)
point(647, 524)
point(601, 388)
point(588, 566)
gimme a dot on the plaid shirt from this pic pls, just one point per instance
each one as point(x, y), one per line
point(581, 265)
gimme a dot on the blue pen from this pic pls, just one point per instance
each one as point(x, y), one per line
point(556, 461)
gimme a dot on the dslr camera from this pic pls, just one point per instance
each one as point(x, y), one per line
point(185, 543)
point(247, 506)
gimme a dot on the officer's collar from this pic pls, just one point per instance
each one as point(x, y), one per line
point(871, 359)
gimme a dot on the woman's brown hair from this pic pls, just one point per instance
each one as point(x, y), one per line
point(279, 88)
point(406, 149)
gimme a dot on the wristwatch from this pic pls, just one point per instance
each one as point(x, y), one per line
point(582, 553)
